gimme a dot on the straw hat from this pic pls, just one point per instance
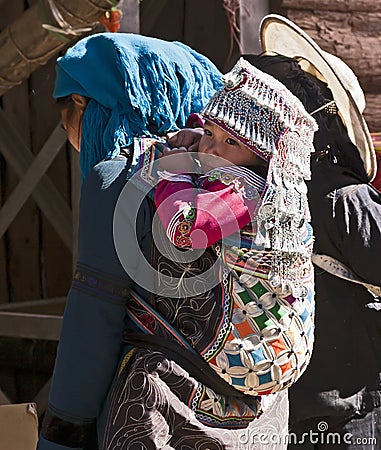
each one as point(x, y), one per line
point(280, 35)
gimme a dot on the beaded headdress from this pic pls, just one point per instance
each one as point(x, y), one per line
point(260, 112)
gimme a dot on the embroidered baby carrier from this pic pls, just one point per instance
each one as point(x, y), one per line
point(253, 327)
point(270, 340)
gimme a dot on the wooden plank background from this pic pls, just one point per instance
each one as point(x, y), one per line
point(200, 24)
point(34, 261)
point(38, 265)
point(22, 237)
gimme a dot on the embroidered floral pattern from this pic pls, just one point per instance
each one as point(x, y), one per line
point(183, 241)
point(165, 406)
point(184, 227)
point(270, 341)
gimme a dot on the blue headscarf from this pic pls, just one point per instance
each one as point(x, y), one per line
point(137, 86)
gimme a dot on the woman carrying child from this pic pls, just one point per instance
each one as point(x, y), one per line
point(203, 359)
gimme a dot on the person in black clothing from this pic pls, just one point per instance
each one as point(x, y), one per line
point(336, 403)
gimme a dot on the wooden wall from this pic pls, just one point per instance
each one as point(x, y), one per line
point(350, 29)
point(198, 23)
point(34, 262)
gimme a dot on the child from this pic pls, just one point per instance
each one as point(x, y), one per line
point(219, 156)
point(253, 122)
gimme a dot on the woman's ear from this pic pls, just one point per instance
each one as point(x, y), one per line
point(80, 100)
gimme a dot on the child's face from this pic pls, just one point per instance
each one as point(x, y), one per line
point(218, 148)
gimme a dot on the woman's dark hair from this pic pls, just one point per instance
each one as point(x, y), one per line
point(332, 138)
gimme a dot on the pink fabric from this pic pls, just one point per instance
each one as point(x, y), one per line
point(194, 121)
point(218, 212)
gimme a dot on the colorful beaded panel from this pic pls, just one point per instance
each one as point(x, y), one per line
point(271, 337)
point(270, 342)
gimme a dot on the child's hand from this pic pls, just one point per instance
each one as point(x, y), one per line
point(176, 160)
point(188, 138)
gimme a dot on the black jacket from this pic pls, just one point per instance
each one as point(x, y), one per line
point(346, 216)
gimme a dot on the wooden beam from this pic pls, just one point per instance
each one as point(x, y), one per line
point(19, 157)
point(27, 43)
point(250, 16)
point(55, 259)
point(30, 326)
point(152, 10)
point(53, 306)
point(41, 399)
point(4, 400)
point(31, 178)
point(337, 5)
point(130, 22)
